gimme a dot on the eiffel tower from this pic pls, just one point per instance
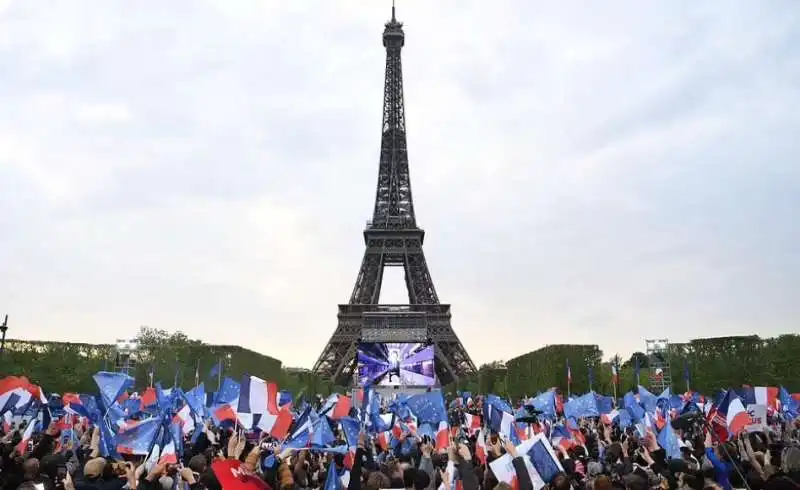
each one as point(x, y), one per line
point(393, 239)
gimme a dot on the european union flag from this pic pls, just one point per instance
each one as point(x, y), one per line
point(647, 399)
point(322, 435)
point(332, 482)
point(428, 407)
point(196, 398)
point(351, 428)
point(228, 393)
point(545, 403)
point(605, 404)
point(139, 437)
point(583, 406)
point(669, 441)
point(112, 385)
point(632, 407)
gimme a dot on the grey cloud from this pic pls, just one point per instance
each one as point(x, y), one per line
point(208, 166)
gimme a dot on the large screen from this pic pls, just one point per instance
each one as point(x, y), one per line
point(388, 364)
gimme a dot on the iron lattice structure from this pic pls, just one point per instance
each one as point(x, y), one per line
point(125, 358)
point(658, 358)
point(393, 239)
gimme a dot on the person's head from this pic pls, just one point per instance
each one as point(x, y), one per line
point(602, 482)
point(198, 463)
point(560, 482)
point(790, 459)
point(285, 478)
point(31, 468)
point(377, 480)
point(30, 485)
point(613, 453)
point(503, 486)
point(421, 480)
point(633, 481)
point(94, 468)
point(408, 477)
point(52, 465)
point(691, 481)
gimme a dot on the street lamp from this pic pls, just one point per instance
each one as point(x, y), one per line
point(3, 329)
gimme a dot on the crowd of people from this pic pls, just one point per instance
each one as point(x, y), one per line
point(591, 453)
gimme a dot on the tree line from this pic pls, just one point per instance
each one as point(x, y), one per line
point(173, 358)
point(711, 363)
point(176, 359)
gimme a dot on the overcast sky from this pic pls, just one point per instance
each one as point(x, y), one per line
point(584, 174)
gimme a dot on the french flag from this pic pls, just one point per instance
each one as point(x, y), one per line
point(763, 395)
point(397, 431)
point(148, 398)
point(341, 408)
point(608, 418)
point(14, 399)
point(569, 373)
point(350, 458)
point(277, 425)
point(480, 447)
point(225, 413)
point(522, 431)
point(168, 454)
point(737, 417)
point(22, 387)
point(561, 437)
point(22, 447)
point(473, 423)
point(382, 440)
point(258, 396)
point(7, 419)
point(442, 436)
point(152, 458)
point(729, 417)
point(184, 419)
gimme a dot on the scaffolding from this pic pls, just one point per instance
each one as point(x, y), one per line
point(125, 356)
point(660, 375)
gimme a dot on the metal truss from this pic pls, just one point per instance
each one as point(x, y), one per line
point(393, 239)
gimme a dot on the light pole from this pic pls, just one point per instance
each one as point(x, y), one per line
point(3, 329)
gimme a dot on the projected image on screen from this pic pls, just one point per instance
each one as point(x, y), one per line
point(396, 364)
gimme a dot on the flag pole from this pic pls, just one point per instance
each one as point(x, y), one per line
point(219, 374)
point(569, 379)
point(177, 367)
point(197, 374)
point(686, 376)
point(615, 393)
